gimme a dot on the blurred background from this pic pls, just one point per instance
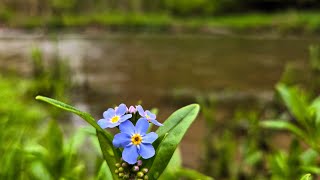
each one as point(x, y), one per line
point(227, 55)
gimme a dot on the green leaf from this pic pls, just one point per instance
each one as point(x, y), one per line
point(283, 125)
point(177, 117)
point(173, 166)
point(110, 154)
point(306, 177)
point(176, 126)
point(295, 101)
point(86, 116)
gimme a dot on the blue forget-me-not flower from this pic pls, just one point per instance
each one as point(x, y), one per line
point(135, 141)
point(147, 115)
point(113, 117)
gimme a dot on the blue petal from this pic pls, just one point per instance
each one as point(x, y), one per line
point(151, 115)
point(142, 126)
point(103, 123)
point(121, 139)
point(146, 151)
point(109, 113)
point(155, 122)
point(149, 138)
point(130, 154)
point(140, 110)
point(125, 117)
point(121, 110)
point(127, 127)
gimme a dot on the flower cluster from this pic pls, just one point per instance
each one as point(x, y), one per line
point(127, 171)
point(133, 123)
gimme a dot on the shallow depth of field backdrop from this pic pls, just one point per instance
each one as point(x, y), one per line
point(244, 62)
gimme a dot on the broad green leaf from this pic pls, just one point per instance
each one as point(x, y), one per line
point(110, 154)
point(295, 102)
point(306, 177)
point(192, 174)
point(283, 125)
point(174, 165)
point(86, 116)
point(176, 117)
point(176, 126)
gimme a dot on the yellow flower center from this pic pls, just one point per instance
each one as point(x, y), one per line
point(136, 139)
point(148, 117)
point(115, 119)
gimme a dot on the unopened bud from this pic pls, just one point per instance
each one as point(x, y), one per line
point(132, 110)
point(124, 164)
point(121, 169)
point(121, 174)
point(135, 168)
point(116, 171)
point(140, 174)
point(118, 164)
point(145, 170)
point(145, 177)
point(139, 163)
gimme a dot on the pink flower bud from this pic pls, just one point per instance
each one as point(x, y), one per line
point(132, 110)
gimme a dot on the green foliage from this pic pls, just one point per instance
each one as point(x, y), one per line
point(292, 164)
point(306, 115)
point(104, 172)
point(170, 136)
point(54, 157)
point(18, 118)
point(173, 166)
point(306, 177)
point(111, 154)
point(233, 150)
point(31, 147)
point(5, 14)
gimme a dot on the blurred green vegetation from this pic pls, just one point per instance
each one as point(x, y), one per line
point(164, 15)
point(241, 145)
point(32, 144)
